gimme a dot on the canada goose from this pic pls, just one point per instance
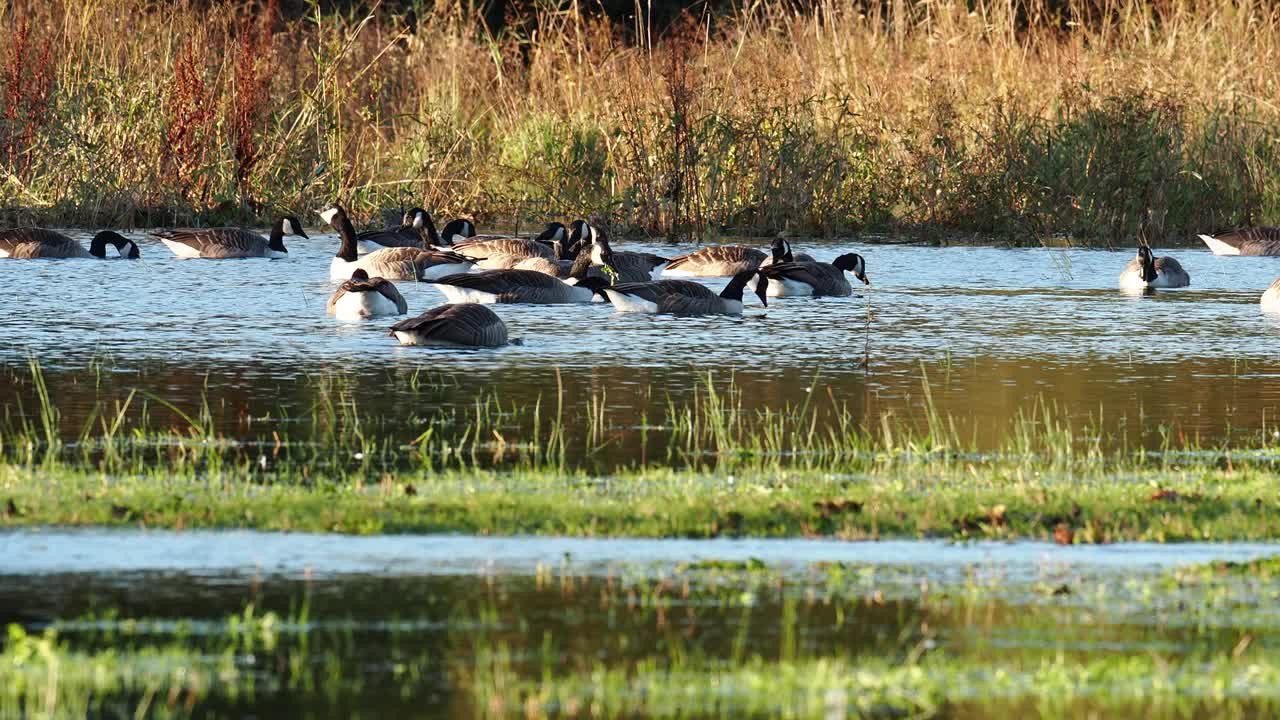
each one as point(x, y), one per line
point(481, 248)
point(456, 231)
point(34, 243)
point(228, 243)
point(1247, 241)
point(468, 324)
point(523, 286)
point(781, 252)
point(683, 297)
point(1271, 298)
point(364, 297)
point(715, 261)
point(1147, 271)
point(629, 266)
point(815, 279)
point(394, 263)
point(417, 231)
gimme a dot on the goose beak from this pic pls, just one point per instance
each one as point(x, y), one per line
point(863, 278)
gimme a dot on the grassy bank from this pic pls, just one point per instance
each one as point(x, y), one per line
point(814, 468)
point(1015, 119)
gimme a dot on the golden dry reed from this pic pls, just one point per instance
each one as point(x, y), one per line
point(1102, 121)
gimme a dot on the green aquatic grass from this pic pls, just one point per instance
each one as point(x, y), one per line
point(719, 467)
point(946, 499)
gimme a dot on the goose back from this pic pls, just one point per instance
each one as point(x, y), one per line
point(468, 324)
point(356, 297)
point(715, 261)
point(34, 243)
point(1255, 241)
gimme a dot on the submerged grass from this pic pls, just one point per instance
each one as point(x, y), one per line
point(1019, 118)
point(717, 468)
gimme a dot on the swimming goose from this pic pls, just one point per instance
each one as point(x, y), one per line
point(781, 252)
point(815, 279)
point(715, 261)
point(1247, 241)
point(468, 324)
point(394, 263)
point(485, 247)
point(683, 297)
point(364, 297)
point(523, 286)
point(1271, 298)
point(1148, 271)
point(629, 266)
point(229, 243)
point(417, 231)
point(34, 243)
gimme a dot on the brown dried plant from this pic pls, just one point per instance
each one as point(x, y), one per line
point(191, 116)
point(27, 83)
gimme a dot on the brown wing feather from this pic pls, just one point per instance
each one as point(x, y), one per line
point(32, 243)
point(218, 243)
point(718, 260)
point(486, 247)
point(465, 324)
point(824, 278)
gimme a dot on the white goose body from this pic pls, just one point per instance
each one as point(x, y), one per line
point(523, 286)
point(363, 297)
point(1147, 271)
point(683, 297)
point(1271, 298)
point(230, 243)
point(391, 263)
point(363, 305)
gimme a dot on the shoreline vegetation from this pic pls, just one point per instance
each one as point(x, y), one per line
point(1021, 121)
point(717, 469)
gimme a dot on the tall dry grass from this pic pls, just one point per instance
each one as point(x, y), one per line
point(1108, 121)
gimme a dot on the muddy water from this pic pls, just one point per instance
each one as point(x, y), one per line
point(993, 330)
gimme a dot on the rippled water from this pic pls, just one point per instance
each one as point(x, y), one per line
point(993, 328)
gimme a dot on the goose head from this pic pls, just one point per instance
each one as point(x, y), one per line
point(554, 236)
point(290, 225)
point(1148, 263)
point(334, 215)
point(127, 248)
point(457, 230)
point(580, 233)
point(853, 263)
point(781, 250)
point(417, 218)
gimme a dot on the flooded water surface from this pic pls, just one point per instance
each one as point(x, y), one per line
point(453, 626)
point(988, 331)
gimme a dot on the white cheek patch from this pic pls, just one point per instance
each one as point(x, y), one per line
point(559, 236)
point(329, 214)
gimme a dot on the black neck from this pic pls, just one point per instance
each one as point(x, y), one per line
point(348, 234)
point(277, 236)
point(1149, 267)
point(733, 291)
point(429, 227)
point(98, 246)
